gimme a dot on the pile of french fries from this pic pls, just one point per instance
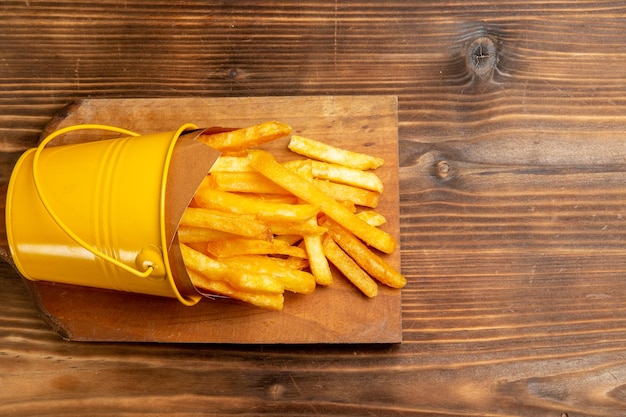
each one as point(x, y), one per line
point(257, 227)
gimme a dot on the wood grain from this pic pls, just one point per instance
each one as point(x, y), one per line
point(512, 196)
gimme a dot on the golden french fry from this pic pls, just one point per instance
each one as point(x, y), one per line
point(291, 239)
point(246, 182)
point(293, 262)
point(323, 152)
point(241, 139)
point(372, 217)
point(284, 196)
point(197, 246)
point(364, 257)
point(241, 246)
point(239, 181)
point(188, 234)
point(276, 198)
point(294, 280)
point(254, 281)
point(348, 193)
point(301, 229)
point(341, 188)
point(225, 163)
point(265, 163)
point(269, 301)
point(349, 268)
point(226, 222)
point(208, 181)
point(344, 175)
point(349, 205)
point(302, 167)
point(263, 210)
point(317, 260)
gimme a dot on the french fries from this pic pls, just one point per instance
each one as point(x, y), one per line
point(348, 194)
point(317, 259)
point(258, 228)
point(236, 278)
point(292, 279)
point(237, 141)
point(241, 246)
point(246, 182)
point(264, 210)
point(231, 164)
point(226, 222)
point(190, 234)
point(210, 286)
point(264, 162)
point(349, 268)
point(323, 152)
point(374, 218)
point(344, 175)
point(364, 257)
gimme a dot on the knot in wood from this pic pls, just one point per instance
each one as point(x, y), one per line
point(233, 73)
point(276, 391)
point(482, 56)
point(443, 169)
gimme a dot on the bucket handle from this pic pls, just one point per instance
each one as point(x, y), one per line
point(44, 200)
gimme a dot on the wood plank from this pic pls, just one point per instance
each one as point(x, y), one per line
point(338, 314)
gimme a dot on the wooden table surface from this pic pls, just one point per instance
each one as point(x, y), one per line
point(512, 138)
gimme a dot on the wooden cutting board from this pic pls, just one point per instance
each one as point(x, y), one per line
point(338, 314)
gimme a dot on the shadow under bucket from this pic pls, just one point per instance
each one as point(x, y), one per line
point(105, 213)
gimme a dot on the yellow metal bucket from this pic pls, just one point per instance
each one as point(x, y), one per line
point(94, 214)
